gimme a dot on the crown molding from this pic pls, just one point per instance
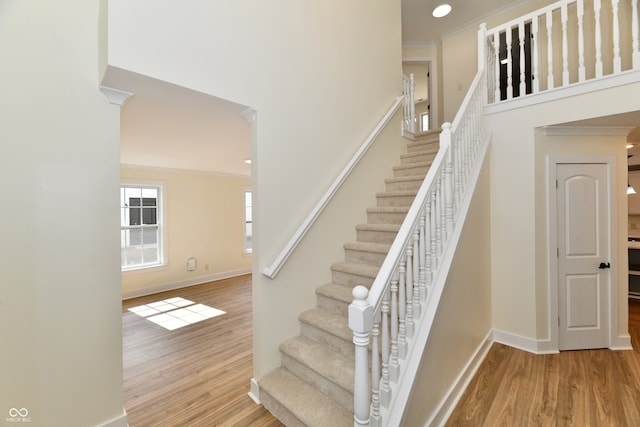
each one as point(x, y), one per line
point(587, 130)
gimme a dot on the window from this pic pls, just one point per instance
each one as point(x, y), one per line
point(248, 230)
point(140, 226)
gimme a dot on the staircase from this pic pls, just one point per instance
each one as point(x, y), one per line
point(314, 384)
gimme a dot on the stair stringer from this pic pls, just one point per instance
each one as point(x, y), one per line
point(396, 412)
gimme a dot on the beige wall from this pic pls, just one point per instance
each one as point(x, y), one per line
point(520, 277)
point(204, 218)
point(463, 320)
point(60, 307)
point(308, 72)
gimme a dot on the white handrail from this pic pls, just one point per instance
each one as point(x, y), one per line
point(272, 270)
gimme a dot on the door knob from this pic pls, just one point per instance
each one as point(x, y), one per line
point(603, 266)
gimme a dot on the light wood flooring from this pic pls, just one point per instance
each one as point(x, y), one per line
point(199, 375)
point(573, 388)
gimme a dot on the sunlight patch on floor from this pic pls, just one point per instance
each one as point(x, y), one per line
point(174, 313)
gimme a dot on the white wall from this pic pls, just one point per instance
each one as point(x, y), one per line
point(60, 312)
point(319, 80)
point(204, 219)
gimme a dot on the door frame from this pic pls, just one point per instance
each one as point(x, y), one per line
point(552, 233)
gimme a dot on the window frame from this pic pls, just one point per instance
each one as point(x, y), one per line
point(247, 244)
point(160, 225)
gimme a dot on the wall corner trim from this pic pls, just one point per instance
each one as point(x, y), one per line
point(254, 392)
point(115, 96)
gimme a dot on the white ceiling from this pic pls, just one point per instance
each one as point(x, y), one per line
point(168, 126)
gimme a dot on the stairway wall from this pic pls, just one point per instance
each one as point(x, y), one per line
point(293, 292)
point(463, 320)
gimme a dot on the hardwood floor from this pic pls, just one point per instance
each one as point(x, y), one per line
point(573, 388)
point(197, 375)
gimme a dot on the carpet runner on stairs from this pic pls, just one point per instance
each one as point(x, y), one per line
point(314, 384)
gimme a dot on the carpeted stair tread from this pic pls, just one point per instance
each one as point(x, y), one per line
point(379, 227)
point(327, 363)
point(412, 165)
point(365, 270)
point(332, 323)
point(399, 193)
point(337, 292)
point(307, 405)
point(380, 248)
point(407, 178)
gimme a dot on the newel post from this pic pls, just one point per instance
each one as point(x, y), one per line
point(361, 322)
point(482, 45)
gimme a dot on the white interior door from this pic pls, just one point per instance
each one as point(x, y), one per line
point(584, 273)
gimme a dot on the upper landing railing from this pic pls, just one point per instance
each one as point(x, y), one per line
point(566, 43)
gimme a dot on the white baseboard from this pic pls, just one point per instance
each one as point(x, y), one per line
point(524, 343)
point(254, 392)
point(184, 283)
point(449, 402)
point(119, 421)
point(621, 343)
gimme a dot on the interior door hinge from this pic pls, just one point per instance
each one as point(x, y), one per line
point(557, 252)
point(556, 184)
point(558, 320)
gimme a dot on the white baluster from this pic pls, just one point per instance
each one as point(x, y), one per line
point(385, 390)
point(581, 68)
point(509, 64)
point(396, 330)
point(401, 339)
point(549, 50)
point(598, 38)
point(523, 77)
point(565, 49)
point(448, 191)
point(617, 62)
point(635, 35)
point(535, 61)
point(423, 259)
point(375, 372)
point(416, 274)
point(409, 324)
point(361, 322)
point(496, 51)
point(427, 255)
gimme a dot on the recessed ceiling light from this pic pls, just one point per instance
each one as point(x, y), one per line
point(248, 161)
point(629, 145)
point(442, 10)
